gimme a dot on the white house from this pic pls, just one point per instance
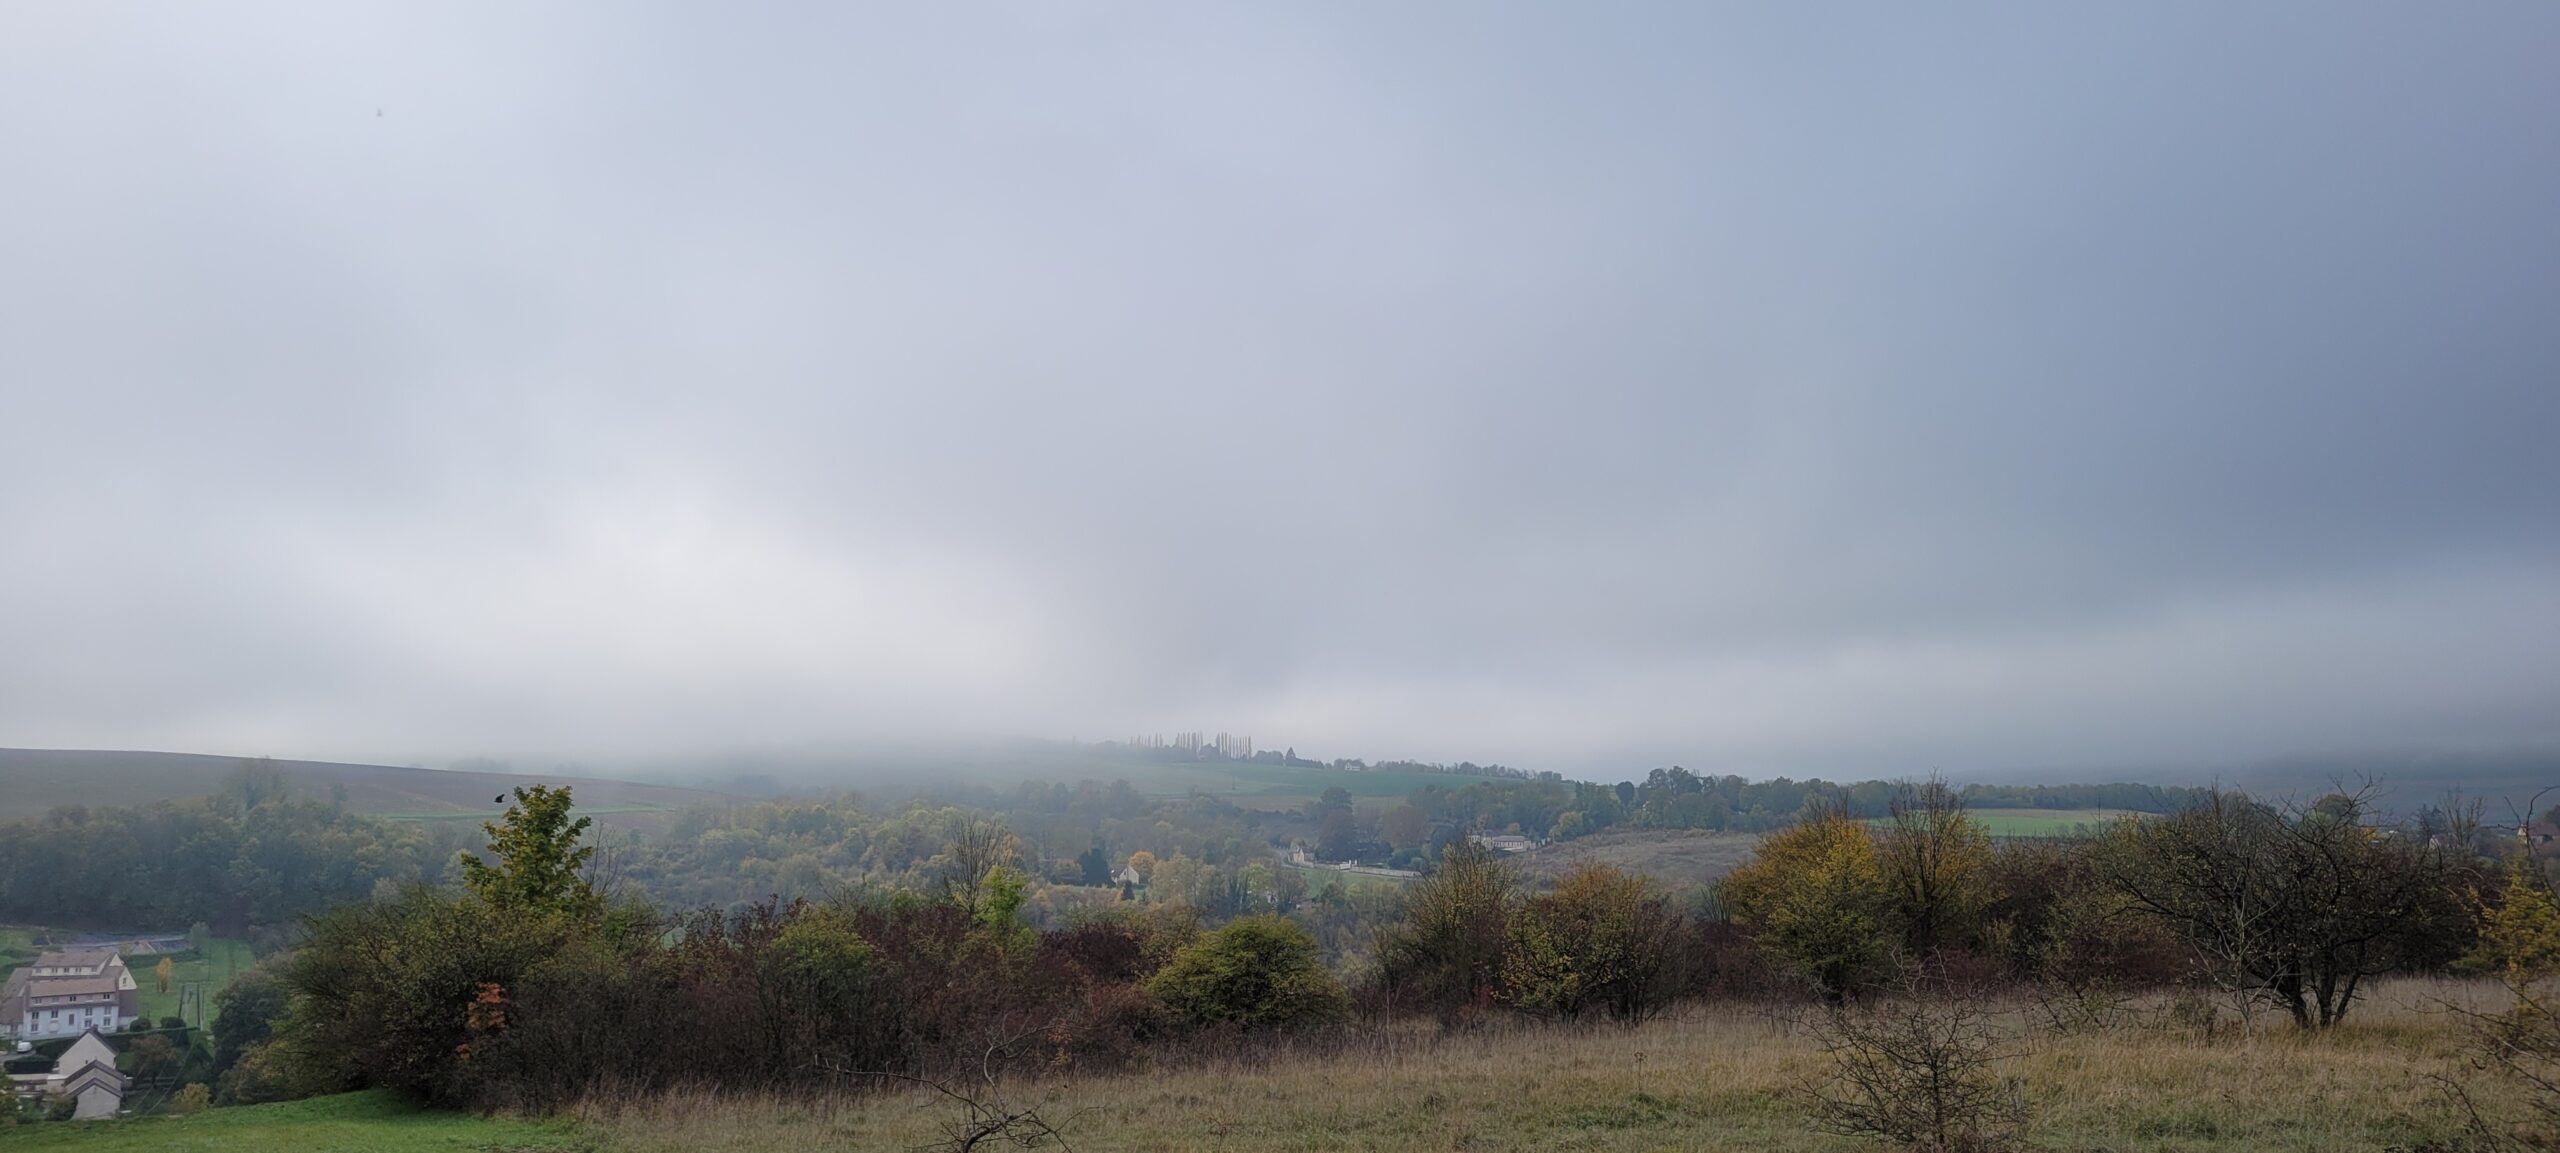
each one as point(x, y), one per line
point(68, 992)
point(86, 1073)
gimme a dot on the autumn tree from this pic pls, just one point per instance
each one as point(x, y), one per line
point(1603, 940)
point(1817, 899)
point(538, 856)
point(163, 971)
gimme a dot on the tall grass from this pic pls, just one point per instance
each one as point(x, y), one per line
point(1722, 1077)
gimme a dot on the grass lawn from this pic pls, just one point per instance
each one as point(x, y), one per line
point(223, 959)
point(371, 1122)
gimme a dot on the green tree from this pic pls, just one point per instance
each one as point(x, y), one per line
point(812, 981)
point(151, 1059)
point(1259, 973)
point(1094, 864)
point(538, 856)
point(1816, 896)
point(245, 1014)
point(1603, 940)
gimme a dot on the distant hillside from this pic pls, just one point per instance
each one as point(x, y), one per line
point(38, 780)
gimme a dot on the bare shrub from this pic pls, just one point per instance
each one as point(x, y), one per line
point(1920, 1073)
point(982, 1115)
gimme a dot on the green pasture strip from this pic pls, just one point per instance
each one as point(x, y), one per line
point(368, 1122)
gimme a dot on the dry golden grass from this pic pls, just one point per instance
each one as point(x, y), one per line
point(1672, 856)
point(1719, 1078)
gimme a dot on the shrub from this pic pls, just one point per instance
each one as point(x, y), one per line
point(1259, 973)
point(151, 1058)
point(383, 992)
point(1604, 940)
point(1815, 896)
point(244, 1014)
point(1920, 1074)
point(259, 1077)
point(190, 1098)
point(1447, 953)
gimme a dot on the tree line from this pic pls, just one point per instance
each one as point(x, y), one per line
point(526, 984)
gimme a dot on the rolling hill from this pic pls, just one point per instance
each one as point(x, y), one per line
point(34, 781)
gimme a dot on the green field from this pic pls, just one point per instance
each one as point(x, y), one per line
point(17, 947)
point(372, 1122)
point(2044, 822)
point(222, 960)
point(2038, 822)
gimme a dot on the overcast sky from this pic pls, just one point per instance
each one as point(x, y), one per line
point(1851, 390)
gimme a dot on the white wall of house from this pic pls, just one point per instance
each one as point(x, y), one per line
point(70, 1020)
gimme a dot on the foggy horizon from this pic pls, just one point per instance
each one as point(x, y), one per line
point(2001, 392)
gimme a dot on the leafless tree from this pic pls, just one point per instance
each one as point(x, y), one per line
point(1919, 1072)
point(2293, 906)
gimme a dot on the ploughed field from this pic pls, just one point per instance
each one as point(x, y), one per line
point(1721, 1077)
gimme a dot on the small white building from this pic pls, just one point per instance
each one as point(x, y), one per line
point(67, 992)
point(86, 1073)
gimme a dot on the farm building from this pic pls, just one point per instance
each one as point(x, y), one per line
point(67, 992)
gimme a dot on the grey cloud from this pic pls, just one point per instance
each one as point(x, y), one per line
point(1816, 389)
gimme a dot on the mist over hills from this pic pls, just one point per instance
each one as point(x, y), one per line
point(637, 794)
point(39, 780)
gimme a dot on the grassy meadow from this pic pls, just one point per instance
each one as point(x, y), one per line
point(1722, 1077)
point(1718, 1077)
point(221, 960)
point(1713, 1079)
point(371, 1122)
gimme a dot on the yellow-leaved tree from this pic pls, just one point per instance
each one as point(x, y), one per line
point(1816, 897)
